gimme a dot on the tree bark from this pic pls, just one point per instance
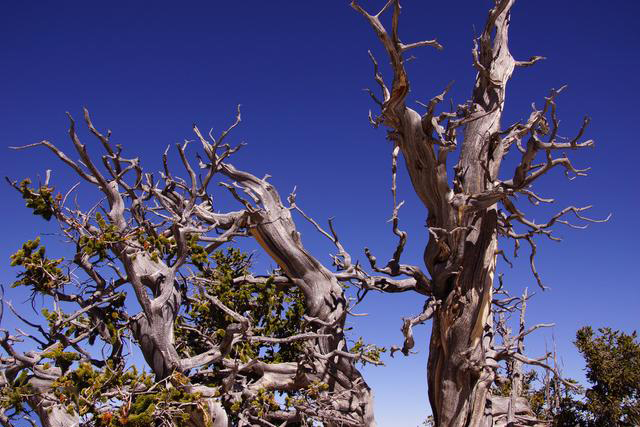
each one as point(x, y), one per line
point(50, 412)
point(458, 376)
point(324, 299)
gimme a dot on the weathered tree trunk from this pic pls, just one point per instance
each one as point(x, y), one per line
point(458, 376)
point(324, 299)
point(50, 411)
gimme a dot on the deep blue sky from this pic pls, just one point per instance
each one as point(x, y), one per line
point(149, 70)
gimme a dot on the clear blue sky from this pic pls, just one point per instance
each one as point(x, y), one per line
point(148, 70)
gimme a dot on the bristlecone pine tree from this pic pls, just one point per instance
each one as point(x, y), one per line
point(151, 266)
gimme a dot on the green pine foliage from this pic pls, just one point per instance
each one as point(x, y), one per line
point(39, 273)
point(613, 371)
point(274, 312)
point(40, 200)
point(613, 397)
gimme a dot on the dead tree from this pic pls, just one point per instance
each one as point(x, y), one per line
point(470, 211)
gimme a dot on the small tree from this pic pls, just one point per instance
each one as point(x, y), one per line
point(613, 370)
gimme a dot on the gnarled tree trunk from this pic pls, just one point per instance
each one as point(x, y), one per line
point(50, 412)
point(458, 376)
